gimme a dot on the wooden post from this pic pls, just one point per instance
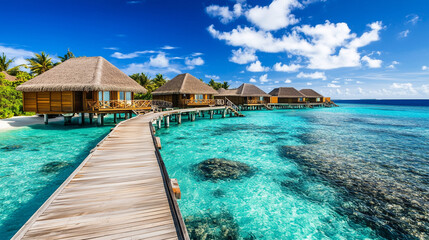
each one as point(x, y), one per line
point(115, 118)
point(91, 116)
point(179, 118)
point(99, 119)
point(131, 114)
point(167, 121)
point(189, 116)
point(81, 118)
point(45, 119)
point(211, 114)
point(67, 120)
point(224, 113)
point(159, 123)
point(193, 117)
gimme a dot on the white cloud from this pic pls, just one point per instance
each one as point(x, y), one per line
point(331, 85)
point(425, 88)
point(147, 68)
point(264, 78)
point(412, 19)
point(404, 34)
point(160, 61)
point(243, 56)
point(279, 67)
point(111, 48)
point(225, 15)
point(309, 84)
point(315, 75)
point(288, 81)
point(19, 55)
point(392, 66)
point(252, 80)
point(403, 88)
point(214, 77)
point(359, 82)
point(360, 90)
point(276, 81)
point(135, 54)
point(335, 81)
point(196, 54)
point(192, 62)
point(372, 63)
point(167, 47)
point(275, 16)
point(348, 80)
point(326, 46)
point(257, 67)
point(424, 68)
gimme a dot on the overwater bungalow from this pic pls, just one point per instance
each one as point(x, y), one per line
point(312, 96)
point(185, 90)
point(246, 94)
point(82, 85)
point(8, 77)
point(286, 95)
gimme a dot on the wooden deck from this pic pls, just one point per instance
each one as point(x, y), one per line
point(119, 191)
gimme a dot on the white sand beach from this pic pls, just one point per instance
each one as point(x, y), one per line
point(22, 121)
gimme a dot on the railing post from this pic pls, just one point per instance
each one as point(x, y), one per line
point(167, 121)
point(179, 118)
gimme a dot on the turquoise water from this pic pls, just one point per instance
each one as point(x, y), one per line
point(34, 162)
point(354, 172)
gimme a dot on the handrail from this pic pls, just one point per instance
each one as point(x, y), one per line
point(229, 103)
point(162, 104)
point(181, 230)
point(255, 102)
point(119, 104)
point(200, 102)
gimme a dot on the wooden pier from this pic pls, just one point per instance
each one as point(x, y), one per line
point(121, 190)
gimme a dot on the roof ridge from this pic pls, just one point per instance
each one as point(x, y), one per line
point(183, 82)
point(98, 71)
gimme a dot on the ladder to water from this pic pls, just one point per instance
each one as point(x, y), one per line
point(233, 108)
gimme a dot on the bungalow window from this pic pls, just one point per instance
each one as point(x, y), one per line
point(128, 96)
point(300, 99)
point(317, 99)
point(199, 97)
point(106, 96)
point(261, 98)
point(121, 95)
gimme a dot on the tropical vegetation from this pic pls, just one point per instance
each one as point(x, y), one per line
point(148, 83)
point(10, 99)
point(218, 85)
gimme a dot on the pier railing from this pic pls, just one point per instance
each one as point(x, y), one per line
point(208, 102)
point(255, 102)
point(162, 104)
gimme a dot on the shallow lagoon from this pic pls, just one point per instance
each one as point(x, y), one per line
point(354, 172)
point(35, 161)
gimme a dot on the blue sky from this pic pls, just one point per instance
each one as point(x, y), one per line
point(341, 48)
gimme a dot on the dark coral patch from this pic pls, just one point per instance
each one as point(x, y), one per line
point(212, 226)
point(53, 167)
point(221, 169)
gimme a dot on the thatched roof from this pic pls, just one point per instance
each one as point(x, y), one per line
point(245, 90)
point(184, 84)
point(310, 93)
point(286, 92)
point(8, 77)
point(82, 74)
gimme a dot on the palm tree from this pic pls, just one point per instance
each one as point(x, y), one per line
point(40, 63)
point(68, 55)
point(5, 64)
point(142, 79)
point(158, 81)
point(225, 85)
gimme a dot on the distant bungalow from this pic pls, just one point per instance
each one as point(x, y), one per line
point(8, 77)
point(246, 94)
point(82, 85)
point(185, 90)
point(312, 96)
point(286, 95)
